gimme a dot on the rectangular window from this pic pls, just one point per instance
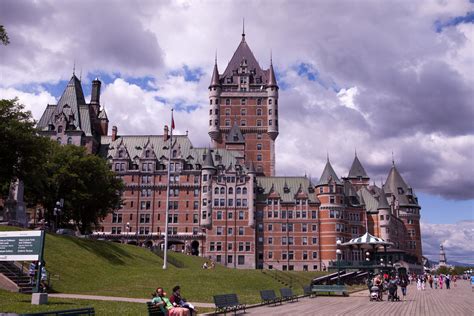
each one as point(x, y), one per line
point(240, 260)
point(229, 259)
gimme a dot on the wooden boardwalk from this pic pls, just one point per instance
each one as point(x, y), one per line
point(457, 301)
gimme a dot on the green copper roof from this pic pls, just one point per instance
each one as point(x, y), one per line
point(286, 187)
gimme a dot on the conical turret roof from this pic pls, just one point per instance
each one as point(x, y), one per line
point(357, 170)
point(395, 181)
point(328, 175)
point(272, 82)
point(215, 77)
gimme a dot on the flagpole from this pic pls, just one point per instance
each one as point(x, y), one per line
point(165, 248)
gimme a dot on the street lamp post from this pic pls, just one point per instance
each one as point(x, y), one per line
point(128, 229)
point(57, 214)
point(338, 258)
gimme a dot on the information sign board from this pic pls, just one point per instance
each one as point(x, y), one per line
point(21, 245)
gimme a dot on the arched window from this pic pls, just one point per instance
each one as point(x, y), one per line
point(60, 129)
point(69, 140)
point(238, 191)
point(259, 112)
point(216, 191)
point(231, 190)
point(120, 153)
point(222, 190)
point(175, 153)
point(244, 191)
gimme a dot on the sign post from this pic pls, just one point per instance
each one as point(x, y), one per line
point(27, 245)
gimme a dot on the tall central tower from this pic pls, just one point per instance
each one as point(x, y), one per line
point(243, 109)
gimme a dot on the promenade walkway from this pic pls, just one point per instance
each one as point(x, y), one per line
point(457, 301)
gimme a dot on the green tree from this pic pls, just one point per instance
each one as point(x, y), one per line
point(4, 36)
point(22, 150)
point(89, 188)
point(444, 270)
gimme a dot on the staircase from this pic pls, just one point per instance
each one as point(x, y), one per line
point(282, 278)
point(16, 274)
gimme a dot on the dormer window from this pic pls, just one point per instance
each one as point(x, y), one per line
point(60, 129)
point(175, 153)
point(400, 190)
point(120, 153)
point(147, 154)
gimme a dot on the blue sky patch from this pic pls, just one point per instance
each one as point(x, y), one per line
point(189, 74)
point(440, 25)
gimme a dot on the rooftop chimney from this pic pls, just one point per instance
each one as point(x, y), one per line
point(95, 94)
point(165, 133)
point(114, 133)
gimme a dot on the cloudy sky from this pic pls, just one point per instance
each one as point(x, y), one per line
point(373, 76)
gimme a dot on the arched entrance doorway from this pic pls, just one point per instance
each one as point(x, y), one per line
point(195, 248)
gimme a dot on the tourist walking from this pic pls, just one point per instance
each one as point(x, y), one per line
point(441, 281)
point(448, 281)
point(423, 282)
point(403, 286)
point(430, 281)
point(418, 283)
point(435, 282)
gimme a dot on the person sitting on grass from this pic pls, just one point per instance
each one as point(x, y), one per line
point(177, 300)
point(165, 305)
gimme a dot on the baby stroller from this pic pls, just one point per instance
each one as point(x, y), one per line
point(375, 293)
point(392, 292)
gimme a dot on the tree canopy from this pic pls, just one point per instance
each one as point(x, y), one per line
point(51, 172)
point(4, 36)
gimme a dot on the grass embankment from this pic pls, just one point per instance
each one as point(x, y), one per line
point(92, 267)
point(21, 303)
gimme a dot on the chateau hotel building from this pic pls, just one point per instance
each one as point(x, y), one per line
point(226, 202)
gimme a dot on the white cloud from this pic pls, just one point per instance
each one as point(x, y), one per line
point(457, 240)
point(35, 102)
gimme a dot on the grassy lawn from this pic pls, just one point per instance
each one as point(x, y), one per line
point(83, 266)
point(21, 303)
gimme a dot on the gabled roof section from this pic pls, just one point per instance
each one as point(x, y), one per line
point(235, 135)
point(275, 187)
point(383, 203)
point(208, 162)
point(103, 115)
point(243, 52)
point(73, 104)
point(329, 175)
point(396, 186)
point(357, 170)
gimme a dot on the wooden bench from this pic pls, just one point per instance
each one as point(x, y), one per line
point(269, 297)
point(154, 310)
point(228, 303)
point(287, 294)
point(69, 312)
point(341, 289)
point(307, 291)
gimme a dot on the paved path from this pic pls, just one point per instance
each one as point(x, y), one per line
point(457, 301)
point(115, 299)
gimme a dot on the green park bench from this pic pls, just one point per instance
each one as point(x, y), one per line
point(154, 310)
point(341, 289)
point(269, 297)
point(227, 303)
point(307, 291)
point(288, 295)
point(69, 312)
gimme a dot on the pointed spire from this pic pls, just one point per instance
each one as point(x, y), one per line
point(243, 29)
point(235, 135)
point(328, 175)
point(271, 75)
point(357, 170)
point(215, 75)
point(74, 68)
point(393, 159)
